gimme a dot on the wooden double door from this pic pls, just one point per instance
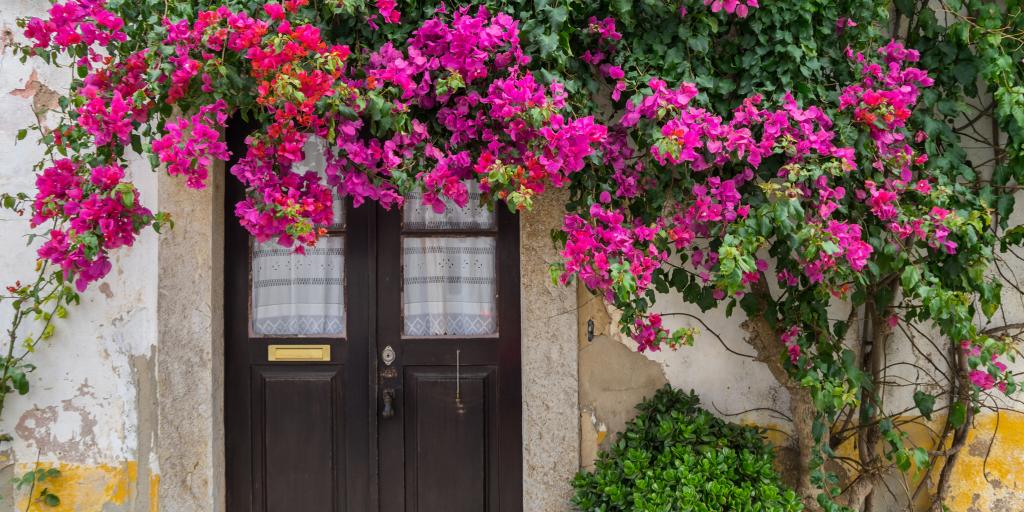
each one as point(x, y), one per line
point(378, 372)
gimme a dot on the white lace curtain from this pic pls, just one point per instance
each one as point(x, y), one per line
point(299, 295)
point(449, 283)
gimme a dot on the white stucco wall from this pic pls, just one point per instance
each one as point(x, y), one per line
point(83, 410)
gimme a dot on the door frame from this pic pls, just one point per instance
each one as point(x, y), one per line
point(188, 443)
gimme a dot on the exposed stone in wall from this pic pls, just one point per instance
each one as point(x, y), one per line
point(550, 408)
point(190, 405)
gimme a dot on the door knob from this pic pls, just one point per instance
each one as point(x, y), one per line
point(388, 396)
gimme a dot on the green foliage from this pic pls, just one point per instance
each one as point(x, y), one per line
point(676, 456)
point(36, 478)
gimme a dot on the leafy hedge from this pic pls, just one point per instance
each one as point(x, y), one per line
point(676, 456)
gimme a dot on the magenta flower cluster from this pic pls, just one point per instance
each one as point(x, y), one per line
point(102, 212)
point(456, 102)
point(76, 22)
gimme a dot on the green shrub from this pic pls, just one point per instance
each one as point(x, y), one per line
point(677, 457)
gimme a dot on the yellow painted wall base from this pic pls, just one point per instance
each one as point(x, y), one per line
point(94, 488)
point(989, 473)
point(989, 476)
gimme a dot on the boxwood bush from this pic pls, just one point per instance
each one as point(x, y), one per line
point(677, 457)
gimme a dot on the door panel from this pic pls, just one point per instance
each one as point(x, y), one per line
point(448, 447)
point(298, 435)
point(436, 455)
point(303, 403)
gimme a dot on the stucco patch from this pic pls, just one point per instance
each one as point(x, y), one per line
point(67, 431)
point(89, 488)
point(6, 38)
point(44, 99)
point(987, 477)
point(188, 433)
point(613, 379)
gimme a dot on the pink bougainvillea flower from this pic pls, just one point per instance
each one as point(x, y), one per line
point(982, 379)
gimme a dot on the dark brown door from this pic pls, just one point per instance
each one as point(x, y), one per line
point(381, 371)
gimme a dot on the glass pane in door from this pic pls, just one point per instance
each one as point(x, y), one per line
point(449, 286)
point(418, 216)
point(299, 295)
point(314, 161)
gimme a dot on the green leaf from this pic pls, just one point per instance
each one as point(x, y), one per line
point(910, 277)
point(557, 16)
point(957, 414)
point(925, 403)
point(51, 500)
point(20, 382)
point(906, 7)
point(547, 43)
point(920, 456)
point(698, 43)
point(965, 72)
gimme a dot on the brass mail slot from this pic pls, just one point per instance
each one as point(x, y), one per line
point(299, 353)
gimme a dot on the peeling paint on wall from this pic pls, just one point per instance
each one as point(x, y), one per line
point(91, 406)
point(989, 476)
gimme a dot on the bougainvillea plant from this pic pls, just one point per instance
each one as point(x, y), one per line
point(794, 159)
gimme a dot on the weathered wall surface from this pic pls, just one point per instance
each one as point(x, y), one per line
point(614, 377)
point(550, 422)
point(91, 408)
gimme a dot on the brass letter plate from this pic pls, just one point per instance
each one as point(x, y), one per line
point(299, 353)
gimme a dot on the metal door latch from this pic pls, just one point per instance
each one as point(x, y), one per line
point(388, 396)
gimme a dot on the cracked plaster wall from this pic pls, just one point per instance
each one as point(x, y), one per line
point(614, 377)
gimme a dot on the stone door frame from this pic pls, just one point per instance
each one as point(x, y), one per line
point(189, 434)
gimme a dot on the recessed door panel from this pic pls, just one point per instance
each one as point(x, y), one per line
point(449, 421)
point(298, 434)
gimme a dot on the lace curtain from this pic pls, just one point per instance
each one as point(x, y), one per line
point(301, 295)
point(449, 283)
point(417, 215)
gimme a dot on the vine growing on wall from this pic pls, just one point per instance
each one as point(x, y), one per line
point(789, 159)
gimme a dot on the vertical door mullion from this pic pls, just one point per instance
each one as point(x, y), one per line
point(391, 442)
point(509, 469)
point(358, 427)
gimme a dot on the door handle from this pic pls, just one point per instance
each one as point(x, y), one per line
point(388, 396)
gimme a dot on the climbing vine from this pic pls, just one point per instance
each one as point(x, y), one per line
point(792, 159)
